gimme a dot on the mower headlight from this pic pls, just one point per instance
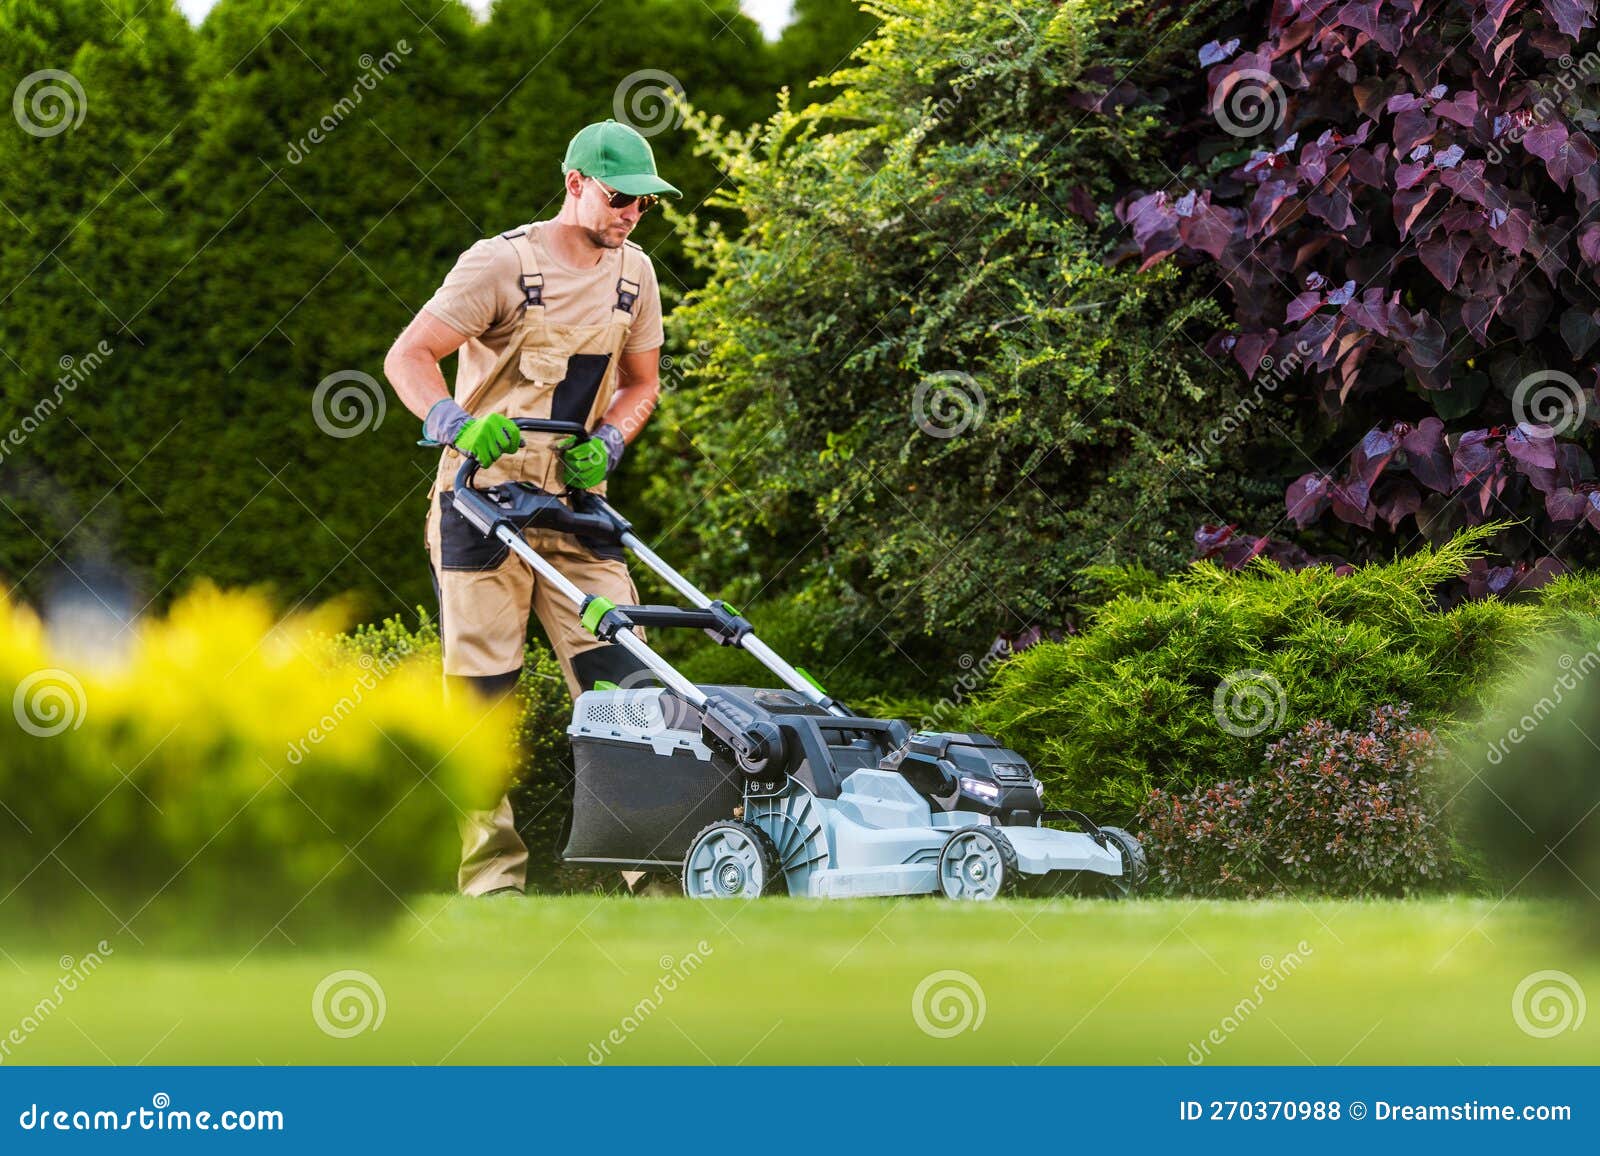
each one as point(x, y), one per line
point(979, 789)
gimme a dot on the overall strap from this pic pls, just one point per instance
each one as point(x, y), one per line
point(531, 280)
point(627, 286)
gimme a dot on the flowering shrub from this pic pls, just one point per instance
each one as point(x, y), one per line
point(1342, 812)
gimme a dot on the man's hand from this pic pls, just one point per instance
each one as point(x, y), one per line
point(483, 438)
point(586, 463)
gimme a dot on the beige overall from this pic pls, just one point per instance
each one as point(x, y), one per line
point(568, 372)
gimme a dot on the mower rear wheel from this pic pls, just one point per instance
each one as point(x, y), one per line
point(731, 860)
point(977, 863)
point(1135, 868)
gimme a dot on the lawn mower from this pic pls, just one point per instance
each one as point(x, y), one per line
point(750, 791)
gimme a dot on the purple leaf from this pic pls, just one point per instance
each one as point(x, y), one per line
point(1512, 232)
point(1545, 140)
point(1215, 53)
point(1408, 206)
point(1399, 501)
point(1307, 499)
point(1411, 128)
point(1571, 16)
point(1303, 306)
point(1466, 182)
point(1427, 457)
point(1209, 230)
point(1460, 109)
point(1371, 457)
point(1442, 256)
point(1268, 197)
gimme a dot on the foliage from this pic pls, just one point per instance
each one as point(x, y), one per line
point(1334, 812)
point(1535, 792)
point(927, 245)
point(819, 42)
point(1183, 686)
point(233, 263)
point(1399, 198)
point(222, 774)
point(541, 784)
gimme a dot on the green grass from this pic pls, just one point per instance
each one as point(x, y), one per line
point(1069, 981)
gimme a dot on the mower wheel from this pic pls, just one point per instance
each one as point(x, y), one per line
point(977, 863)
point(1135, 868)
point(731, 860)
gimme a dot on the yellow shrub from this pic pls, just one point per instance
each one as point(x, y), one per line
point(230, 774)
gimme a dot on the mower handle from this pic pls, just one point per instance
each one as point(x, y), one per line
point(469, 468)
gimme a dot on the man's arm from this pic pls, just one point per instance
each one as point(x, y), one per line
point(412, 363)
point(638, 390)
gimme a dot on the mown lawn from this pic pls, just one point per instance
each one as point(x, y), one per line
point(546, 980)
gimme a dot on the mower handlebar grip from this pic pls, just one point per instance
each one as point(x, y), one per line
point(469, 468)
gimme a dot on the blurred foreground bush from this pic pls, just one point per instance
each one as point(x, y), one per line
point(1535, 807)
point(541, 783)
point(228, 779)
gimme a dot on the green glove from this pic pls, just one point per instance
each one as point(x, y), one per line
point(486, 438)
point(584, 461)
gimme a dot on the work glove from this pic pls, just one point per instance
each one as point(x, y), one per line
point(586, 463)
point(483, 438)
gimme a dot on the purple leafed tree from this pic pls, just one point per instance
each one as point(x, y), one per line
point(1403, 201)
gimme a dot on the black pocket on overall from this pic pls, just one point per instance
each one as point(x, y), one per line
point(574, 396)
point(462, 546)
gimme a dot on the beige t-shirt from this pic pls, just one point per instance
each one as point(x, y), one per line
point(482, 298)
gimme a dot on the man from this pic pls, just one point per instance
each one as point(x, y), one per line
point(557, 319)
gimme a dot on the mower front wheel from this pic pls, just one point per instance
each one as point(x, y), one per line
point(977, 863)
point(731, 860)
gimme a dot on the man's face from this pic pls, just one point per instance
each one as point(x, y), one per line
point(607, 227)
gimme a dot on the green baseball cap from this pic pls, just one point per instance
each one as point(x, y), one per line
point(616, 154)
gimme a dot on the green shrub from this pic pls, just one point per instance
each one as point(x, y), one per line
point(1334, 812)
point(1184, 685)
point(929, 246)
point(228, 777)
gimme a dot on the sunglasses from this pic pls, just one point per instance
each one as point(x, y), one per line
point(623, 200)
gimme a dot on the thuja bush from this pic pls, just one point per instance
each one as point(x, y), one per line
point(1333, 811)
point(1400, 199)
point(1184, 684)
